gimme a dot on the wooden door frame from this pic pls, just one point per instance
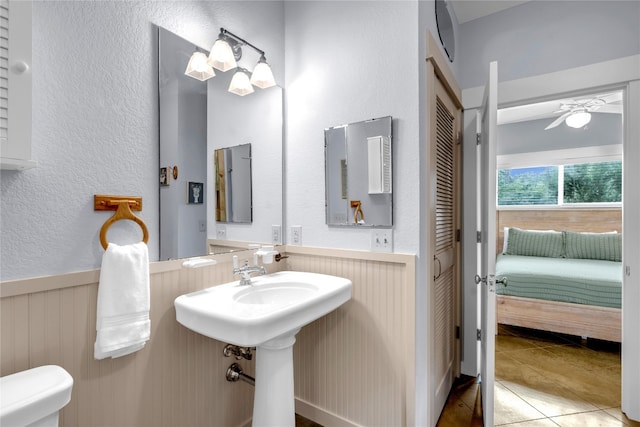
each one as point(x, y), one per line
point(437, 67)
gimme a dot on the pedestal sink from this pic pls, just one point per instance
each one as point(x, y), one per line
point(267, 315)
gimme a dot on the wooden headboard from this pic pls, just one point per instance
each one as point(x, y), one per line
point(593, 220)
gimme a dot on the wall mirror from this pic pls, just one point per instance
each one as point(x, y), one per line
point(358, 174)
point(196, 119)
point(232, 166)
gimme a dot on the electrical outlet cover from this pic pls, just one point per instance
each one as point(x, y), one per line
point(276, 234)
point(221, 232)
point(296, 235)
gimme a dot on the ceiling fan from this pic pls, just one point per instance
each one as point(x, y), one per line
point(577, 113)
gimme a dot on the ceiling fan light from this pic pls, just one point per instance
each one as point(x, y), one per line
point(198, 68)
point(578, 119)
point(240, 83)
point(221, 56)
point(262, 75)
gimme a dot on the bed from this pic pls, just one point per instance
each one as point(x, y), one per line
point(561, 281)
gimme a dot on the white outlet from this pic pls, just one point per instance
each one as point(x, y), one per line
point(382, 240)
point(296, 235)
point(276, 234)
point(202, 225)
point(221, 232)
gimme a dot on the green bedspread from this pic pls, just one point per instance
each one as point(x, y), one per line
point(580, 281)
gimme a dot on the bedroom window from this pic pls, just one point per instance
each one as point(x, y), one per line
point(563, 185)
point(528, 186)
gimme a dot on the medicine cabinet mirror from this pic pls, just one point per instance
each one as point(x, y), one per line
point(232, 168)
point(358, 174)
point(197, 119)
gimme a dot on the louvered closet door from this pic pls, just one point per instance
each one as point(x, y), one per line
point(445, 273)
point(4, 74)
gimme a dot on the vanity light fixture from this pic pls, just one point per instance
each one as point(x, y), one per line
point(578, 119)
point(240, 83)
point(225, 53)
point(198, 68)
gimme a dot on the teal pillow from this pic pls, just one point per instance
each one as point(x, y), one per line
point(604, 246)
point(535, 243)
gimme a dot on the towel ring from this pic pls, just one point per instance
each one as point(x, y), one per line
point(123, 212)
point(358, 212)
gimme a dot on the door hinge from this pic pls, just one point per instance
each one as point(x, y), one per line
point(458, 138)
point(457, 332)
point(478, 236)
point(478, 138)
point(458, 235)
point(479, 334)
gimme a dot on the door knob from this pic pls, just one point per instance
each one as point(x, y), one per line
point(479, 279)
point(502, 281)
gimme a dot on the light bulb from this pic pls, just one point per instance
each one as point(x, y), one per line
point(198, 67)
point(240, 84)
point(200, 62)
point(221, 56)
point(262, 76)
point(578, 119)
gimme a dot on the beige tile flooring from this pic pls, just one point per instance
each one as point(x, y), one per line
point(545, 379)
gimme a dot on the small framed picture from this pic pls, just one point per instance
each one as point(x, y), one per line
point(164, 176)
point(195, 194)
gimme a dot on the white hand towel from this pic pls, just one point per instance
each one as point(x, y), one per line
point(122, 322)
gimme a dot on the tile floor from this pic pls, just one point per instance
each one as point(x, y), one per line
point(545, 379)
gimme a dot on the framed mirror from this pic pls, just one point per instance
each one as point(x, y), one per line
point(196, 119)
point(358, 174)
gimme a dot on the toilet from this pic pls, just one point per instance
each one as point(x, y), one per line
point(33, 398)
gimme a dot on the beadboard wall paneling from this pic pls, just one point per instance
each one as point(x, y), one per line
point(178, 379)
point(356, 366)
point(353, 367)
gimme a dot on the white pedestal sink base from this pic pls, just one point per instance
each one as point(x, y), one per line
point(274, 400)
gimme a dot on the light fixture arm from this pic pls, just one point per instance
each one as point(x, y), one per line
point(243, 41)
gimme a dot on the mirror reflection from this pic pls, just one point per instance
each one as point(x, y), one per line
point(196, 119)
point(445, 29)
point(358, 174)
point(233, 184)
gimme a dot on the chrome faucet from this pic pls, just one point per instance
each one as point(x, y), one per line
point(246, 270)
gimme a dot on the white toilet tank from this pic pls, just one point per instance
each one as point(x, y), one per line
point(32, 398)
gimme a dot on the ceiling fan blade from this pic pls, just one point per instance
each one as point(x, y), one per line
point(611, 97)
point(610, 108)
point(557, 121)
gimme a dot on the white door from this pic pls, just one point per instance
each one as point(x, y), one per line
point(487, 171)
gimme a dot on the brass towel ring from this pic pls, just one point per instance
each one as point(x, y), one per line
point(358, 212)
point(123, 212)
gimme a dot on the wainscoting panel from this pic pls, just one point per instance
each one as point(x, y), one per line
point(178, 379)
point(355, 366)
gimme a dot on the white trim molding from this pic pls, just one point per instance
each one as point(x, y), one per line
point(545, 86)
point(622, 73)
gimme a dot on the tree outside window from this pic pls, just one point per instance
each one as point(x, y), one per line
point(561, 185)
